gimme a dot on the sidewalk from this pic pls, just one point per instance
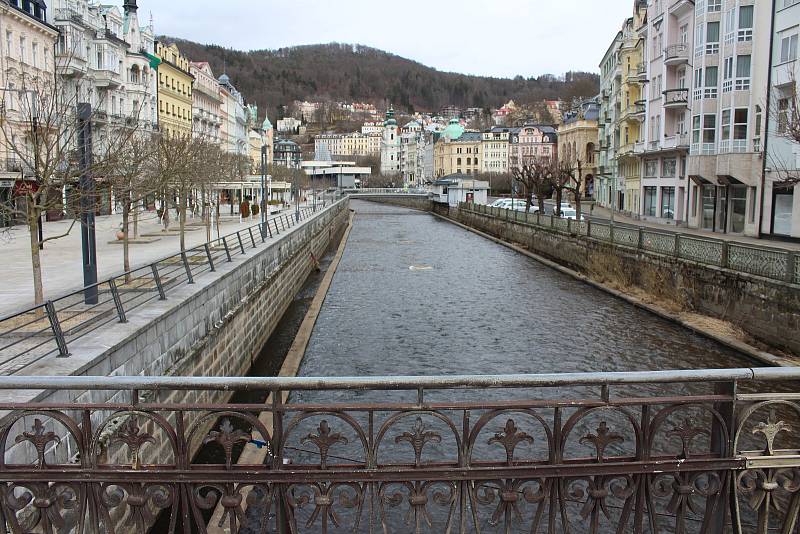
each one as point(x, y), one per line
point(604, 215)
point(62, 269)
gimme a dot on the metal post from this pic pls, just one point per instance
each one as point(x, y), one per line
point(275, 220)
point(117, 301)
point(241, 244)
point(55, 325)
point(269, 230)
point(186, 266)
point(252, 239)
point(87, 188)
point(262, 232)
point(227, 250)
point(210, 259)
point(263, 180)
point(157, 279)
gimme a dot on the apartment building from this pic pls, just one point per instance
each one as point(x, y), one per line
point(174, 91)
point(287, 153)
point(669, 37)
point(729, 92)
point(412, 153)
point(234, 128)
point(608, 192)
point(350, 144)
point(578, 137)
point(206, 101)
point(532, 141)
point(457, 151)
point(494, 149)
point(781, 214)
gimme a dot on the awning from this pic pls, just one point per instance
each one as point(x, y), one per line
point(699, 180)
point(726, 179)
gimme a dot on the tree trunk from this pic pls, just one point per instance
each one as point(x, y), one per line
point(558, 202)
point(126, 261)
point(36, 258)
point(136, 220)
point(182, 218)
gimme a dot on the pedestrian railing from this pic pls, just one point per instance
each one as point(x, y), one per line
point(387, 191)
point(42, 331)
point(676, 451)
point(768, 262)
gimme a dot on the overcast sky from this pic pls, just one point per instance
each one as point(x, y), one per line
point(487, 37)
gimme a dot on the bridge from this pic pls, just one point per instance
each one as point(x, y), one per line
point(194, 444)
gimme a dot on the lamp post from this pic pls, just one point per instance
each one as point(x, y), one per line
point(263, 182)
point(88, 243)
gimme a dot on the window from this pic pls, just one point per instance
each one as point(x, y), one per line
point(9, 40)
point(35, 54)
point(740, 117)
point(712, 38)
point(698, 84)
point(789, 48)
point(668, 202)
point(650, 168)
point(727, 81)
point(712, 74)
point(668, 167)
point(730, 26)
point(681, 124)
point(745, 24)
point(742, 73)
point(650, 194)
point(709, 133)
point(22, 49)
point(783, 115)
point(725, 128)
point(684, 34)
point(714, 5)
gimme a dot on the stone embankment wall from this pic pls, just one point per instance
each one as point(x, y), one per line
point(767, 310)
point(214, 328)
point(417, 202)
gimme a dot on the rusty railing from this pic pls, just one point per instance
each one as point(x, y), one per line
point(657, 452)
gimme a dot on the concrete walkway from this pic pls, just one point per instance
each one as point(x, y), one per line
point(602, 214)
point(62, 261)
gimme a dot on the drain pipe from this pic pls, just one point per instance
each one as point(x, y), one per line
point(765, 144)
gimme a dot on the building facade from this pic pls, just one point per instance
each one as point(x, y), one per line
point(495, 144)
point(532, 141)
point(457, 151)
point(234, 128)
point(412, 154)
point(781, 215)
point(729, 92)
point(206, 102)
point(174, 91)
point(578, 137)
point(349, 144)
point(287, 153)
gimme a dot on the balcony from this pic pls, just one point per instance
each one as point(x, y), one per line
point(677, 141)
point(639, 147)
point(641, 72)
point(676, 54)
point(679, 8)
point(676, 98)
point(634, 113)
point(106, 78)
point(633, 74)
point(627, 148)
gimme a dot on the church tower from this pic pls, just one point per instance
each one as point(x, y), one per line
point(390, 145)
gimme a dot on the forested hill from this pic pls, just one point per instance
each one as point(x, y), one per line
point(357, 73)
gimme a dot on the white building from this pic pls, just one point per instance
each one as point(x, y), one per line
point(412, 154)
point(495, 150)
point(729, 91)
point(234, 135)
point(206, 102)
point(390, 146)
point(781, 215)
point(289, 125)
point(456, 188)
point(372, 128)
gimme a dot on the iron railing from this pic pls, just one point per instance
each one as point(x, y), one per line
point(658, 452)
point(773, 263)
point(41, 331)
point(387, 190)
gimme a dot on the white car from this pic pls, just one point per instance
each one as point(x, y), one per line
point(570, 213)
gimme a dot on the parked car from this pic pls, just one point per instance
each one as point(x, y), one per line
point(570, 213)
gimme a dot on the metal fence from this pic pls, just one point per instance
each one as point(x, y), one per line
point(773, 263)
point(42, 331)
point(657, 452)
point(387, 191)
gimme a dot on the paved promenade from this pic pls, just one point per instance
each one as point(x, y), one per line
point(61, 259)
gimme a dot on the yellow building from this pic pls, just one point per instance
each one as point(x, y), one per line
point(578, 138)
point(457, 151)
point(631, 105)
point(174, 91)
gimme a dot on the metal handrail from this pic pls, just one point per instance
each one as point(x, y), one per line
point(717, 252)
point(192, 383)
point(39, 331)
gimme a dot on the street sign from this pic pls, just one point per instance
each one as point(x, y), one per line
point(6, 184)
point(25, 187)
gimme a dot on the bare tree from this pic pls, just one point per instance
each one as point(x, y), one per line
point(175, 169)
point(785, 113)
point(41, 136)
point(534, 175)
point(570, 176)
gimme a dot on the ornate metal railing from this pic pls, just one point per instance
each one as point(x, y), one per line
point(774, 263)
point(47, 330)
point(677, 451)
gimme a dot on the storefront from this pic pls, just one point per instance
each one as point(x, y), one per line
point(782, 208)
point(723, 208)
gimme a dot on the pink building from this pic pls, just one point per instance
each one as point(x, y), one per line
point(530, 142)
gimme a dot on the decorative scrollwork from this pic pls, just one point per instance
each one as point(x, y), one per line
point(39, 438)
point(507, 494)
point(324, 440)
point(227, 437)
point(418, 500)
point(231, 497)
point(601, 440)
point(418, 439)
point(40, 506)
point(759, 485)
point(141, 501)
point(681, 487)
point(323, 500)
point(687, 431)
point(770, 430)
point(131, 435)
point(509, 438)
point(598, 490)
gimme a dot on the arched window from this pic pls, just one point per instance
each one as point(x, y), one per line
point(458, 161)
point(590, 153)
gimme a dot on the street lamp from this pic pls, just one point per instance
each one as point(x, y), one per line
point(263, 180)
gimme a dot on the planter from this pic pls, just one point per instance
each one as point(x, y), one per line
point(120, 235)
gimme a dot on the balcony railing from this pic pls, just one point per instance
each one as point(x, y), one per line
point(676, 97)
point(676, 53)
point(592, 452)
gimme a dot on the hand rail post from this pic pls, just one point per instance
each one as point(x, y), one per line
point(55, 325)
point(117, 301)
point(157, 279)
point(210, 259)
point(227, 250)
point(186, 266)
point(241, 244)
point(252, 239)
